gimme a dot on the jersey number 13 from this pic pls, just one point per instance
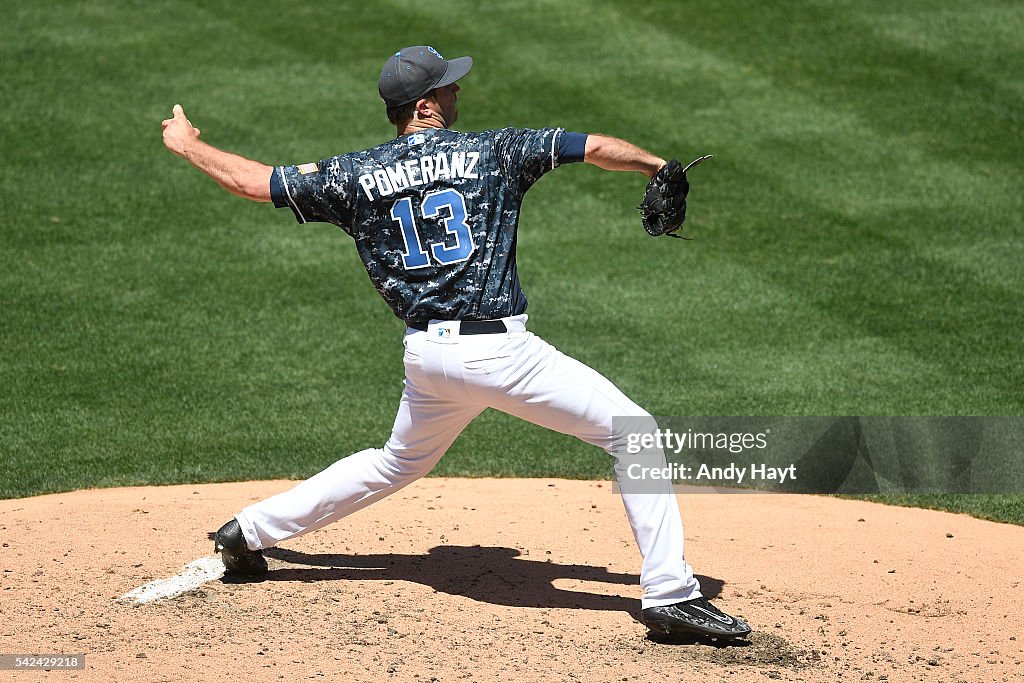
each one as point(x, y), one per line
point(454, 222)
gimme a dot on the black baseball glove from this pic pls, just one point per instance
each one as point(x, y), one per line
point(663, 209)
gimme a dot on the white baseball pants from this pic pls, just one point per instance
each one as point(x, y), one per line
point(449, 380)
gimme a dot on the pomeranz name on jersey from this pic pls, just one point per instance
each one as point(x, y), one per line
point(419, 171)
point(433, 214)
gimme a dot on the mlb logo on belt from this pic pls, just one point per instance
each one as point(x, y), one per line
point(444, 332)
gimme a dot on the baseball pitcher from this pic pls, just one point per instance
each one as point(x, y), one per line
point(434, 215)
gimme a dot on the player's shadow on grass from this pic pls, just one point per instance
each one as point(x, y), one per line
point(496, 575)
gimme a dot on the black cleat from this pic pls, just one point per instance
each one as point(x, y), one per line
point(235, 554)
point(691, 619)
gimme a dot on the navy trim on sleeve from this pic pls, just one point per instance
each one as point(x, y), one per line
point(276, 190)
point(571, 147)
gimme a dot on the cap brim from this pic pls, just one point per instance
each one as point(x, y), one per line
point(457, 68)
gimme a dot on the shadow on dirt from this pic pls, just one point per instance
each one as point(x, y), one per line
point(496, 575)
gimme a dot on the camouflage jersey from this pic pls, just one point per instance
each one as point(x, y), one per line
point(433, 214)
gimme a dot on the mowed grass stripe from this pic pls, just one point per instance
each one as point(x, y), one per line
point(848, 56)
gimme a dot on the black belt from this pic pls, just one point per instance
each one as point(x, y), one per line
point(468, 326)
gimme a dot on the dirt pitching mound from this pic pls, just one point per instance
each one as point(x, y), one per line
point(484, 579)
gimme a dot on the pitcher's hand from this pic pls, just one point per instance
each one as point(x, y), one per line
point(179, 132)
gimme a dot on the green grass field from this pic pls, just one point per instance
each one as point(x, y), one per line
point(859, 245)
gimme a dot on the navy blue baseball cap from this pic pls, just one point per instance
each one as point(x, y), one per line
point(412, 72)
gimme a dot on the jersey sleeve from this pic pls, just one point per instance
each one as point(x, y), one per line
point(524, 155)
point(316, 192)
